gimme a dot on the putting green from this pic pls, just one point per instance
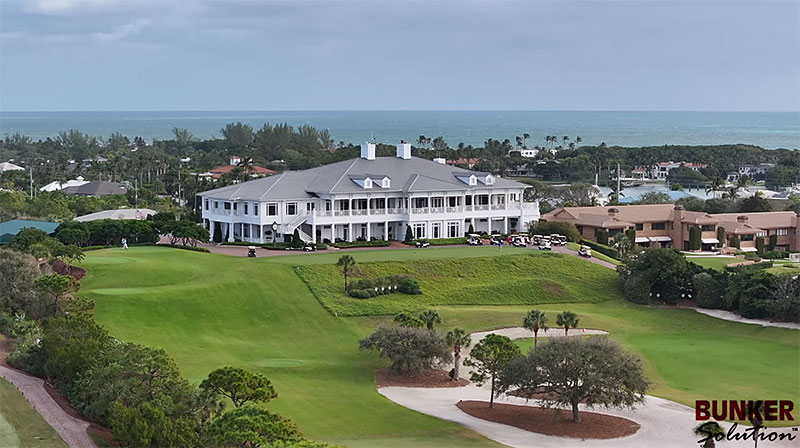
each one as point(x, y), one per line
point(210, 311)
point(20, 425)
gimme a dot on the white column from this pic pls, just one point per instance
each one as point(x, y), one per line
point(350, 231)
point(472, 223)
point(260, 233)
point(211, 230)
point(505, 225)
point(369, 225)
point(386, 230)
point(313, 233)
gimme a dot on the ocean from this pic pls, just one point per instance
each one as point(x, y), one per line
point(766, 129)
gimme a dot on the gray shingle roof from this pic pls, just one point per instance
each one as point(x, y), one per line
point(96, 188)
point(411, 175)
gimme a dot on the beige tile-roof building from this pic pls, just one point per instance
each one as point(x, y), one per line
point(667, 225)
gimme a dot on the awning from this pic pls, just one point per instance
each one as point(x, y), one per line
point(710, 241)
point(642, 239)
point(748, 249)
point(660, 238)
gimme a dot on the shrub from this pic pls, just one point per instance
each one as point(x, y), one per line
point(409, 286)
point(637, 289)
point(562, 228)
point(360, 293)
point(734, 242)
point(602, 248)
point(351, 244)
point(760, 245)
point(440, 241)
point(367, 288)
point(776, 254)
point(602, 237)
point(708, 290)
point(721, 235)
point(409, 235)
point(180, 246)
point(773, 241)
point(695, 240)
point(411, 350)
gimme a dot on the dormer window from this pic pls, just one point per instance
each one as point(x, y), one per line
point(473, 180)
point(489, 179)
point(386, 182)
point(368, 183)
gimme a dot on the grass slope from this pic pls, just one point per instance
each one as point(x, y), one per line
point(532, 278)
point(20, 425)
point(209, 311)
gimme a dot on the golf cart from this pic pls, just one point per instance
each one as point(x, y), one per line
point(423, 244)
point(519, 241)
point(474, 240)
point(310, 247)
point(558, 240)
point(544, 243)
point(536, 239)
point(585, 251)
point(251, 251)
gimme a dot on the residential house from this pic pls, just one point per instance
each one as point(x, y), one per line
point(96, 188)
point(660, 171)
point(254, 170)
point(122, 213)
point(368, 198)
point(667, 225)
point(56, 185)
point(8, 166)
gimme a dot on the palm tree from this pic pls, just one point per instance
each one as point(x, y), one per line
point(519, 141)
point(578, 140)
point(246, 164)
point(458, 339)
point(430, 317)
point(568, 320)
point(525, 137)
point(622, 243)
point(535, 320)
point(565, 138)
point(731, 193)
point(709, 430)
point(348, 265)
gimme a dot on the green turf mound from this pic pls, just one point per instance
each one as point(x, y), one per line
point(528, 279)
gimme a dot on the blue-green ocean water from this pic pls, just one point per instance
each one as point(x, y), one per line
point(766, 129)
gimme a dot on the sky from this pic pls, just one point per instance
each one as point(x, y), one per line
point(708, 55)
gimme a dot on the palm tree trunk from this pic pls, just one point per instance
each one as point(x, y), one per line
point(456, 359)
point(566, 330)
point(535, 337)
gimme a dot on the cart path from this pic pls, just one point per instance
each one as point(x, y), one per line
point(664, 423)
point(71, 429)
point(565, 251)
point(733, 317)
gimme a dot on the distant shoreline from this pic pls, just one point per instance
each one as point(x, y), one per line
point(770, 129)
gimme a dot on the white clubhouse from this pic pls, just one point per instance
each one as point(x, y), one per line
point(368, 198)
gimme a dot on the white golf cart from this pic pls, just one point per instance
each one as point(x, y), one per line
point(474, 240)
point(585, 251)
point(545, 244)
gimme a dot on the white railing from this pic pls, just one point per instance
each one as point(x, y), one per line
point(341, 213)
point(529, 205)
point(420, 210)
point(437, 210)
point(395, 211)
point(222, 211)
point(467, 208)
point(237, 213)
point(499, 207)
point(359, 212)
point(377, 211)
point(481, 207)
point(323, 213)
point(452, 210)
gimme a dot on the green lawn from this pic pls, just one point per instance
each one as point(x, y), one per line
point(20, 425)
point(780, 268)
point(717, 263)
point(575, 247)
point(530, 278)
point(210, 310)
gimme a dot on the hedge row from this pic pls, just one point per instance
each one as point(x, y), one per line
point(181, 246)
point(602, 248)
point(351, 244)
point(272, 246)
point(442, 241)
point(758, 265)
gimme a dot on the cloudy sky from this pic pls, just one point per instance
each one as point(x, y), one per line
point(401, 54)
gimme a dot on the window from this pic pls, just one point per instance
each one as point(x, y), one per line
point(708, 228)
point(368, 183)
point(227, 205)
point(452, 229)
point(419, 230)
point(386, 183)
point(235, 205)
point(761, 234)
point(272, 209)
point(437, 202)
point(206, 204)
point(216, 204)
point(614, 232)
point(245, 208)
point(291, 208)
point(309, 207)
point(658, 226)
point(749, 237)
point(436, 230)
point(639, 226)
point(255, 208)
point(452, 201)
point(782, 232)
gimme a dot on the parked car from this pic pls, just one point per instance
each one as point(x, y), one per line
point(585, 251)
point(310, 247)
point(423, 243)
point(251, 251)
point(474, 240)
point(544, 244)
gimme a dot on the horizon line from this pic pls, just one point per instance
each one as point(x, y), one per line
point(395, 110)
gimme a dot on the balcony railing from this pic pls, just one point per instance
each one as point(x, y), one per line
point(361, 212)
point(437, 209)
point(323, 213)
point(341, 213)
point(452, 210)
point(420, 210)
point(481, 207)
point(467, 208)
point(498, 207)
point(377, 211)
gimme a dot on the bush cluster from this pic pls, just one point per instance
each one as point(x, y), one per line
point(350, 244)
point(368, 288)
point(439, 241)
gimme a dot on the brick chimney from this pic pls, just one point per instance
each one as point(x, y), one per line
point(613, 211)
point(742, 218)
